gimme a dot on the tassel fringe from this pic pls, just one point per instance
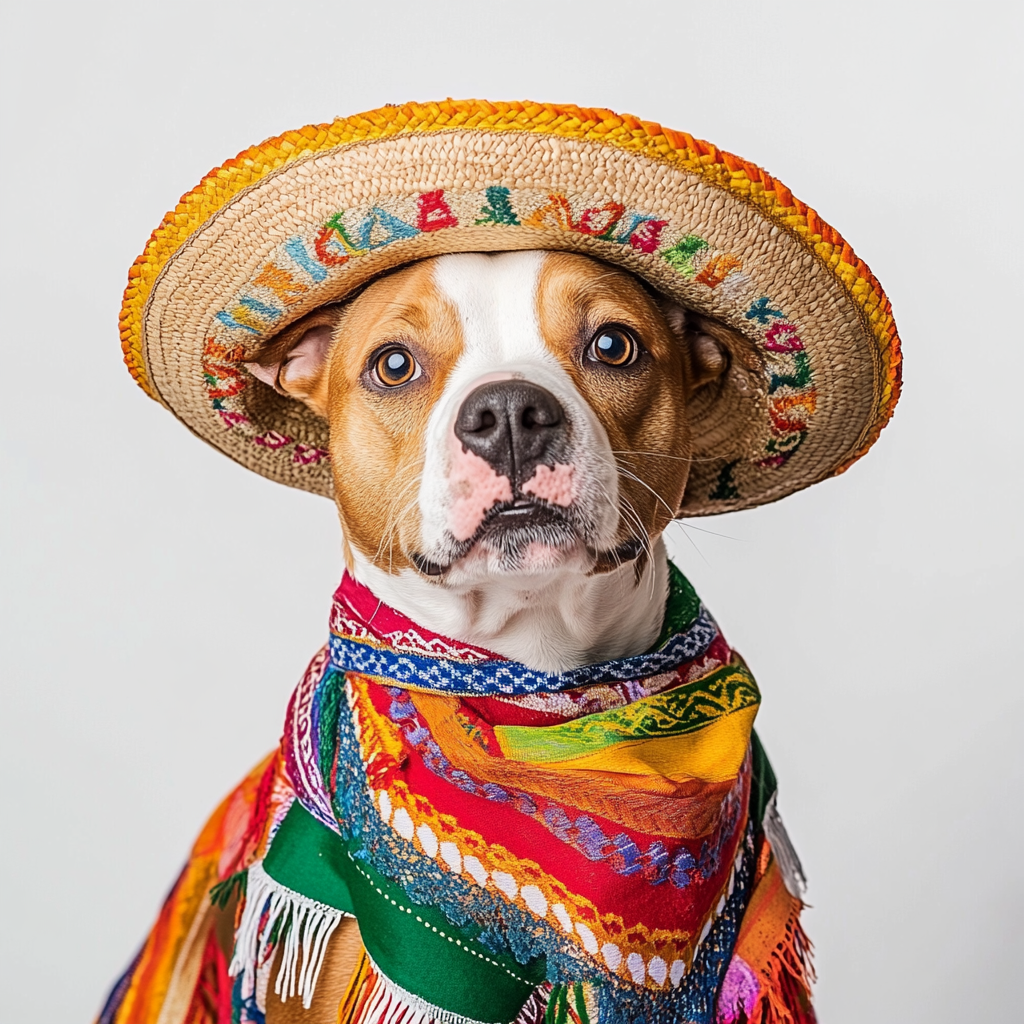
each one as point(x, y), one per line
point(276, 916)
point(785, 855)
point(566, 1004)
point(786, 991)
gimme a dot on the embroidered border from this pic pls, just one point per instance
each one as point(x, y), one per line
point(491, 678)
point(307, 260)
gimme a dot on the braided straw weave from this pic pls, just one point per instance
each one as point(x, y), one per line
point(709, 229)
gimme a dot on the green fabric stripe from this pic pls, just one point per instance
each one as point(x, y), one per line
point(673, 713)
point(330, 709)
point(310, 859)
point(762, 783)
point(681, 608)
point(581, 1006)
point(415, 946)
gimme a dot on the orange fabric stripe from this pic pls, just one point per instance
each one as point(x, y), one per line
point(221, 849)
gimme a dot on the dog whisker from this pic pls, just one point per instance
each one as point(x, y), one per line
point(645, 539)
point(632, 476)
point(628, 514)
point(712, 533)
point(665, 455)
point(396, 518)
point(694, 545)
point(395, 522)
point(659, 455)
point(643, 483)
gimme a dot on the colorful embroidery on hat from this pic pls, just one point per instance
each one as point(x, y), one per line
point(309, 455)
point(725, 487)
point(349, 234)
point(224, 381)
point(498, 209)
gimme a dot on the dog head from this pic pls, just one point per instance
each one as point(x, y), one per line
point(505, 416)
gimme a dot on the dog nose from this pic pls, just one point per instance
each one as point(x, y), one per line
point(513, 425)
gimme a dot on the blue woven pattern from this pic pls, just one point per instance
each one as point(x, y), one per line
point(501, 677)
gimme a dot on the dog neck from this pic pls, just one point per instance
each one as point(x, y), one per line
point(560, 624)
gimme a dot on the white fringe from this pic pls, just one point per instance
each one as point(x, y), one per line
point(306, 926)
point(785, 855)
point(391, 1004)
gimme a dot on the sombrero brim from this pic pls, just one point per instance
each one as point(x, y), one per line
point(303, 219)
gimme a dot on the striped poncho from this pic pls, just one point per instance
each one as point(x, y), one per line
point(599, 845)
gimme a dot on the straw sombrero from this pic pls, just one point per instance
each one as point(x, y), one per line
point(303, 219)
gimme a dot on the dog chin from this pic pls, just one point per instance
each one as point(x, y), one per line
point(515, 541)
point(512, 556)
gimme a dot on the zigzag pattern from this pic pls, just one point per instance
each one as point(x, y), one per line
point(497, 678)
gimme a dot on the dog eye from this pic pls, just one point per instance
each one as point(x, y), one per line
point(613, 346)
point(394, 367)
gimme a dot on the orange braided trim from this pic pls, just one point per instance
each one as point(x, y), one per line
point(594, 125)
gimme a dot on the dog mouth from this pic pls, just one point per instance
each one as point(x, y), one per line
point(511, 529)
point(507, 518)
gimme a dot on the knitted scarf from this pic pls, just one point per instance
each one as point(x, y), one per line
point(594, 845)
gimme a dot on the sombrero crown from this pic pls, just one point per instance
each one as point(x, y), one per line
point(303, 219)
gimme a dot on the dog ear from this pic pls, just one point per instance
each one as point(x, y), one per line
point(295, 362)
point(725, 374)
point(706, 344)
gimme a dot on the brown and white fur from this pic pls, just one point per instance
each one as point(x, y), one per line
point(512, 492)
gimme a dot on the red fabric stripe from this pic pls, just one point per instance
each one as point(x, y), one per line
point(630, 897)
point(380, 619)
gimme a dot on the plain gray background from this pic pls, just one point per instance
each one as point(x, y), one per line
point(160, 602)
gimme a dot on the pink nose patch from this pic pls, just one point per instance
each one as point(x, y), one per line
point(557, 485)
point(476, 488)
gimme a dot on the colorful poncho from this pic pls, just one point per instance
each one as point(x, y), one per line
point(598, 845)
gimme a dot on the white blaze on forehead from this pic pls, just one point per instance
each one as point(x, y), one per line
point(496, 299)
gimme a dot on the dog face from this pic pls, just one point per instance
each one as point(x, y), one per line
point(512, 415)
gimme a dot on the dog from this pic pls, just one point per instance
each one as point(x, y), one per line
point(520, 781)
point(510, 436)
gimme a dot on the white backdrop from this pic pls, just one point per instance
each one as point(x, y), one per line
point(160, 602)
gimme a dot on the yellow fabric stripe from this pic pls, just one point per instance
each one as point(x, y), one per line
point(714, 754)
point(673, 712)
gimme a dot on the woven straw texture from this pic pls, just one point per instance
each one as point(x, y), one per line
point(305, 218)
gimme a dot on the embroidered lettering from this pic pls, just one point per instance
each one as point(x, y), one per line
point(599, 221)
point(647, 235)
point(382, 228)
point(796, 421)
point(297, 250)
point(717, 269)
point(249, 314)
point(782, 337)
point(434, 213)
point(499, 207)
point(760, 311)
point(799, 378)
point(556, 214)
point(725, 487)
point(281, 283)
point(333, 247)
point(780, 451)
point(682, 253)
